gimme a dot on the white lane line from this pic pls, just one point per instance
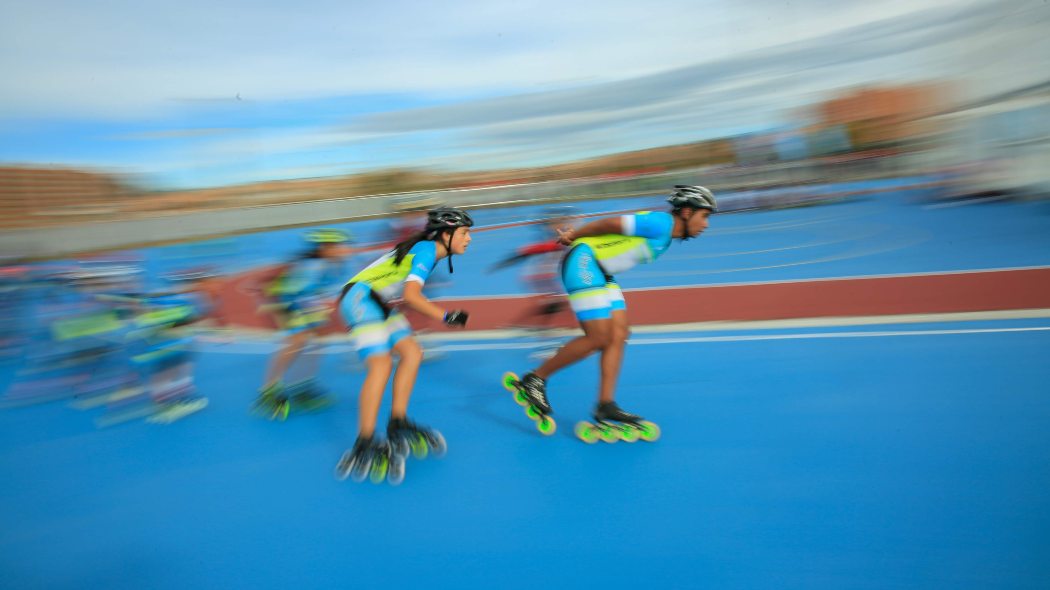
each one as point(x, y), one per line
point(751, 337)
point(773, 282)
point(262, 337)
point(267, 348)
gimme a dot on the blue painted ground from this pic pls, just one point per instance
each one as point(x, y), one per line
point(904, 461)
point(914, 460)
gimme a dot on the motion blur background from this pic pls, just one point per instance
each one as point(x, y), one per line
point(132, 111)
point(156, 159)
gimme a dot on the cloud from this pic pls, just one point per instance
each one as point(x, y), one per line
point(165, 134)
point(508, 84)
point(122, 58)
point(750, 73)
point(763, 87)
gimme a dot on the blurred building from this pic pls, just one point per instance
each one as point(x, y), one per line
point(35, 196)
point(881, 117)
point(998, 146)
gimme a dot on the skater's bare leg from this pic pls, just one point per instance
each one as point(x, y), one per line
point(293, 346)
point(597, 335)
point(411, 355)
point(612, 356)
point(379, 366)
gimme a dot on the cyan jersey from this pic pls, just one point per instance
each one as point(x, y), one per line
point(308, 277)
point(645, 237)
point(388, 280)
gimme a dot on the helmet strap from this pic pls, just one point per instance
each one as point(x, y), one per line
point(685, 225)
point(448, 246)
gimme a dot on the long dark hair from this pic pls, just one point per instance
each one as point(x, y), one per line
point(401, 250)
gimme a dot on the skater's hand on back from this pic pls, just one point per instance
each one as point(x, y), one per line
point(566, 236)
point(456, 318)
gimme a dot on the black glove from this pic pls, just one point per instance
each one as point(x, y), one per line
point(456, 318)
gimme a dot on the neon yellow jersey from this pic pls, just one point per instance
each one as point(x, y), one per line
point(646, 236)
point(387, 279)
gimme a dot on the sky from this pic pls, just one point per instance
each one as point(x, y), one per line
point(204, 93)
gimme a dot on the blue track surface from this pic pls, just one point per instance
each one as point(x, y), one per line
point(892, 461)
point(881, 233)
point(891, 456)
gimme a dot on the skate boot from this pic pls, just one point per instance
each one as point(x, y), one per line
point(406, 436)
point(370, 457)
point(308, 396)
point(531, 392)
point(272, 403)
point(612, 424)
point(535, 389)
point(177, 410)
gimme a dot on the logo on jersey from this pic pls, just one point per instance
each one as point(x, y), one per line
point(355, 305)
point(583, 264)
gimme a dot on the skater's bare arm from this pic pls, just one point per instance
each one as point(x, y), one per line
point(414, 298)
point(598, 227)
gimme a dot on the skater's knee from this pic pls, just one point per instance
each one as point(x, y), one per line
point(410, 351)
point(621, 334)
point(298, 341)
point(380, 362)
point(601, 339)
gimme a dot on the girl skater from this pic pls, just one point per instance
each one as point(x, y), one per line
point(378, 330)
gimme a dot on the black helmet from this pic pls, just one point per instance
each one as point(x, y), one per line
point(446, 218)
point(696, 197)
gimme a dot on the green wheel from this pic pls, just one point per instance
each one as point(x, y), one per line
point(420, 449)
point(509, 379)
point(608, 434)
point(585, 431)
point(546, 425)
point(280, 412)
point(532, 412)
point(629, 434)
point(521, 398)
point(378, 471)
point(650, 432)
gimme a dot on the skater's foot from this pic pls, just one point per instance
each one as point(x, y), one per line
point(272, 402)
point(610, 412)
point(535, 389)
point(407, 436)
point(369, 457)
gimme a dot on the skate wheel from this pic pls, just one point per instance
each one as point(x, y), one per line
point(343, 467)
point(629, 433)
point(546, 425)
point(509, 381)
point(585, 432)
point(400, 447)
point(649, 431)
point(379, 469)
point(608, 434)
point(532, 412)
point(521, 398)
point(280, 412)
point(359, 471)
point(396, 474)
point(438, 446)
point(420, 449)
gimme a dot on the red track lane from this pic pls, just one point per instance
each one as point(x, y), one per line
point(931, 293)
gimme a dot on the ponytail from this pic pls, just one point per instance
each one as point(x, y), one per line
point(401, 250)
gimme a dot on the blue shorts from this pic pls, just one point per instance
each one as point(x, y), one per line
point(593, 295)
point(305, 313)
point(373, 329)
